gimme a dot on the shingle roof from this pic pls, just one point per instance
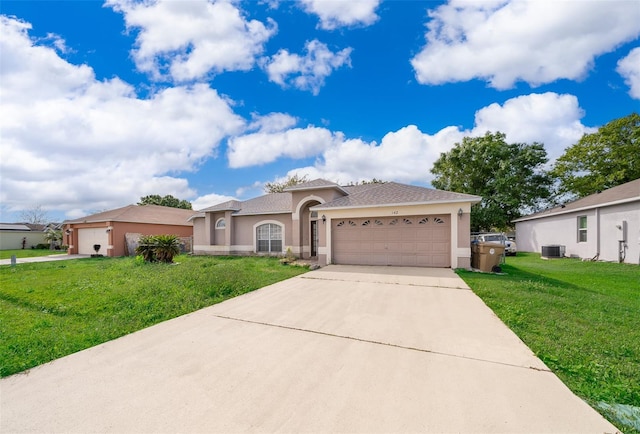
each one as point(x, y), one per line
point(273, 203)
point(316, 184)
point(152, 214)
point(389, 193)
point(392, 193)
point(627, 192)
point(230, 205)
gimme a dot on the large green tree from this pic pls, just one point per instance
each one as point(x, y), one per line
point(168, 200)
point(601, 160)
point(510, 178)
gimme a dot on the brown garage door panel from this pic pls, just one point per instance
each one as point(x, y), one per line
point(406, 241)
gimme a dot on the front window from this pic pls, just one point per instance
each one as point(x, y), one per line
point(269, 238)
point(582, 229)
point(221, 224)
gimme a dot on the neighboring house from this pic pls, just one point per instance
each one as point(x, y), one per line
point(604, 226)
point(13, 234)
point(372, 224)
point(109, 228)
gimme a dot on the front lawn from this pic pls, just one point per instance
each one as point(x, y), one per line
point(581, 318)
point(30, 253)
point(52, 309)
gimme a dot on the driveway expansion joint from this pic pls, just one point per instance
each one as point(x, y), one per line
point(386, 344)
point(385, 283)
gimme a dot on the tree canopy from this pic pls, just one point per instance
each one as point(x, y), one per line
point(168, 200)
point(278, 187)
point(510, 178)
point(35, 215)
point(601, 160)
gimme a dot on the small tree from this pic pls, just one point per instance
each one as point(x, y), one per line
point(53, 237)
point(34, 215)
point(279, 187)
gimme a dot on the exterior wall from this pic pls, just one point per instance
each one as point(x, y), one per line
point(240, 232)
point(117, 231)
point(11, 240)
point(199, 231)
point(464, 240)
point(610, 218)
point(602, 233)
point(460, 255)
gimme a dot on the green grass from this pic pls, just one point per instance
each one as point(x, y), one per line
point(581, 318)
point(53, 309)
point(30, 253)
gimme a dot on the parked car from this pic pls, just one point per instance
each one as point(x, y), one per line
point(510, 247)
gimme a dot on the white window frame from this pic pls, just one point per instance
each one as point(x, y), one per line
point(255, 236)
point(221, 223)
point(582, 231)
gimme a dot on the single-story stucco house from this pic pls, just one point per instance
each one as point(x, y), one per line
point(12, 235)
point(109, 228)
point(371, 224)
point(603, 226)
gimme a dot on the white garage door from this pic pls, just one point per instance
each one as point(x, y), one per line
point(90, 236)
point(419, 241)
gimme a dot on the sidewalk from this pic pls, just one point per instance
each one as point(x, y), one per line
point(57, 257)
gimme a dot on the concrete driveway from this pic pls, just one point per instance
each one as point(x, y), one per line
point(340, 349)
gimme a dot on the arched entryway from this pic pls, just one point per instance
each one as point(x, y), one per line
point(308, 229)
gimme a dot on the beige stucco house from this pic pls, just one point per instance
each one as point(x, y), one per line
point(603, 226)
point(372, 224)
point(13, 234)
point(109, 228)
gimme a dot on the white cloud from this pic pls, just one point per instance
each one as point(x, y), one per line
point(208, 200)
point(103, 146)
point(191, 39)
point(306, 72)
point(546, 118)
point(265, 147)
point(408, 154)
point(341, 13)
point(534, 41)
point(272, 123)
point(629, 68)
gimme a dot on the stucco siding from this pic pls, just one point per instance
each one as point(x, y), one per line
point(243, 229)
point(117, 230)
point(199, 231)
point(602, 233)
point(10, 240)
point(610, 219)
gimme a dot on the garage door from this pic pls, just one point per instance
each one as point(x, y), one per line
point(422, 241)
point(90, 236)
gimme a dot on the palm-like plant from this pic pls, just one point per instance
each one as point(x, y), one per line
point(161, 248)
point(146, 248)
point(53, 236)
point(166, 247)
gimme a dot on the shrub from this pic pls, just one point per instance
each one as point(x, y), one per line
point(158, 248)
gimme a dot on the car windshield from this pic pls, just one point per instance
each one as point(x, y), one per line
point(499, 238)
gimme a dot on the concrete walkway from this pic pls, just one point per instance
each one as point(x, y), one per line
point(340, 349)
point(48, 258)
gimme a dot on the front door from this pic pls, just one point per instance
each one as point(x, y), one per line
point(314, 238)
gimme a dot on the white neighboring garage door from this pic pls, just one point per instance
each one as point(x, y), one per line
point(419, 241)
point(90, 236)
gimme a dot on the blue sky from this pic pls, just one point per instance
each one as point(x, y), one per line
point(104, 102)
